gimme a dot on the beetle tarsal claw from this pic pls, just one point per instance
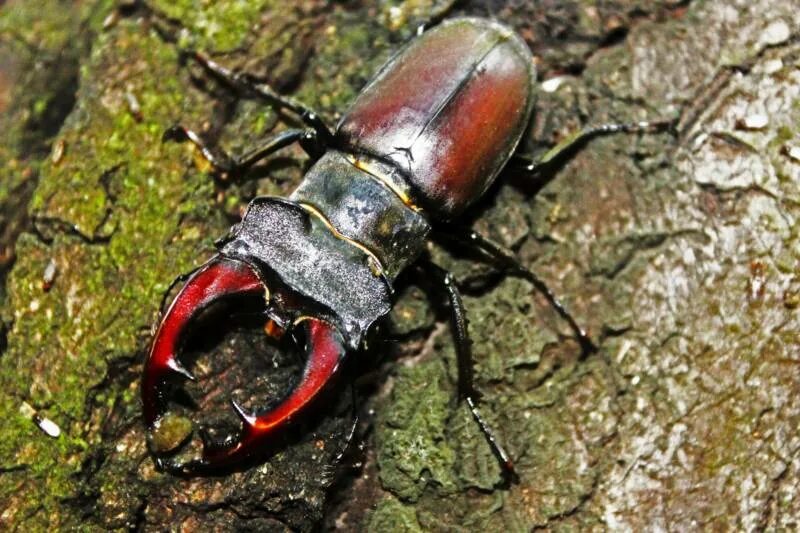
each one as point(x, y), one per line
point(221, 277)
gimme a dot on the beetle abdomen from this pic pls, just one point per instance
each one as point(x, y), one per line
point(448, 111)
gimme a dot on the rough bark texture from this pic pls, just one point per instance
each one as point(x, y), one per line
point(679, 253)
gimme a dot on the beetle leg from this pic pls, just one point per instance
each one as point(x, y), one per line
point(246, 84)
point(351, 433)
point(511, 265)
point(466, 389)
point(227, 165)
point(581, 137)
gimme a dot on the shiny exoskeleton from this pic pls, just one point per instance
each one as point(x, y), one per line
point(423, 140)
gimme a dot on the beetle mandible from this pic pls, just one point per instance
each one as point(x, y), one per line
point(422, 141)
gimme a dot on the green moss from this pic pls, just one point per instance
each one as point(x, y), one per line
point(220, 26)
point(391, 515)
point(511, 307)
point(346, 57)
point(170, 431)
point(124, 218)
point(24, 20)
point(412, 451)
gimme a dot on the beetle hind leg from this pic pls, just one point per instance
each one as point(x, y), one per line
point(511, 265)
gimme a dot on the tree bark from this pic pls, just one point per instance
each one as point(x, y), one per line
point(678, 252)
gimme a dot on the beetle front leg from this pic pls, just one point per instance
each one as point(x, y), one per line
point(577, 139)
point(511, 265)
point(466, 388)
point(343, 451)
point(227, 165)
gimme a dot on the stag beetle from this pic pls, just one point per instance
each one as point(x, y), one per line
point(422, 141)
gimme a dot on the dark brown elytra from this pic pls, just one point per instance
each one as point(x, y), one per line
point(422, 141)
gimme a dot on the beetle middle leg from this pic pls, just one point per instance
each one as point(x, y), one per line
point(236, 166)
point(466, 388)
point(511, 265)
